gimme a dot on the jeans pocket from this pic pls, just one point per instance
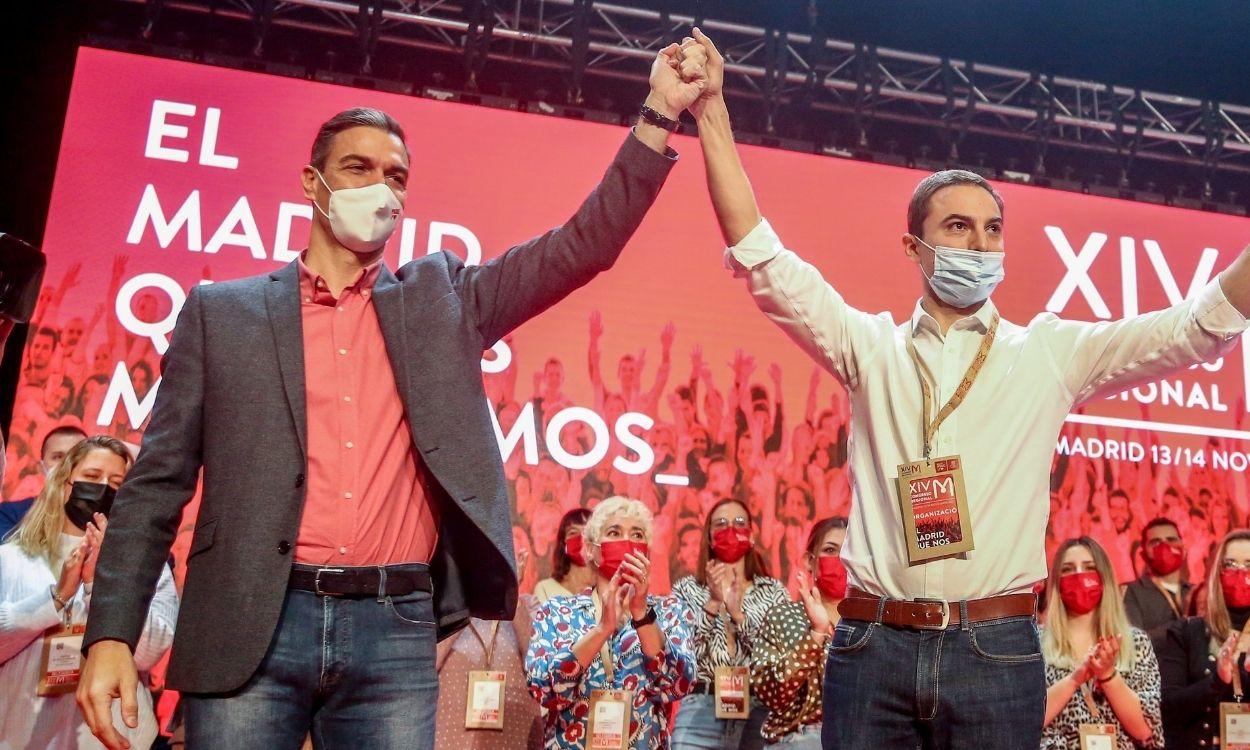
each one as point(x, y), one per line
point(1011, 642)
point(413, 609)
point(850, 637)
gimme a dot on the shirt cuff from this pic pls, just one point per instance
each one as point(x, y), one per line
point(1216, 315)
point(35, 613)
point(637, 151)
point(759, 246)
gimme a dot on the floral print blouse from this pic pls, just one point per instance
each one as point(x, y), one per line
point(563, 687)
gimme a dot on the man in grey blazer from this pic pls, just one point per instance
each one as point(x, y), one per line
point(354, 505)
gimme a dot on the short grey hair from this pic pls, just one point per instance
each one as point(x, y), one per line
point(606, 510)
point(918, 209)
point(347, 119)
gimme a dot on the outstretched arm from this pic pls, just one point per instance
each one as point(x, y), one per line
point(526, 280)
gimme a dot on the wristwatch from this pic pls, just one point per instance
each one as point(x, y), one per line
point(647, 619)
point(659, 120)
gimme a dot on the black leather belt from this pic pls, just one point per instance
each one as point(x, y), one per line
point(362, 582)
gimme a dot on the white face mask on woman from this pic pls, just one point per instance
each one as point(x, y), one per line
point(963, 278)
point(362, 218)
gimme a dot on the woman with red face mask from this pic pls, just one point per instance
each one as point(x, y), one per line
point(569, 572)
point(1101, 671)
point(1198, 655)
point(729, 595)
point(618, 656)
point(788, 666)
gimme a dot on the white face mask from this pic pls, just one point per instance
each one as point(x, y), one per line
point(963, 278)
point(362, 218)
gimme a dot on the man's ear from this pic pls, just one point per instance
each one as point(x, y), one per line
point(911, 248)
point(309, 181)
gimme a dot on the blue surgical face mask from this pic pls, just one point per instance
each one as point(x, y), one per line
point(963, 278)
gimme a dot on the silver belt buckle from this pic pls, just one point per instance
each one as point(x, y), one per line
point(317, 581)
point(946, 614)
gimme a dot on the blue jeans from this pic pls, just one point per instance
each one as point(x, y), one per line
point(356, 673)
point(977, 686)
point(697, 728)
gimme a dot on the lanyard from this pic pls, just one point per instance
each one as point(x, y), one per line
point(965, 385)
point(1088, 694)
point(604, 654)
point(487, 648)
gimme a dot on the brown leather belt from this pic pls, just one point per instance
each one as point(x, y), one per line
point(933, 614)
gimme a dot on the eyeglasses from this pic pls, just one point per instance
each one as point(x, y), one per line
point(1236, 565)
point(738, 523)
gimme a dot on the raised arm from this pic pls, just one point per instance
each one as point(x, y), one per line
point(791, 292)
point(526, 280)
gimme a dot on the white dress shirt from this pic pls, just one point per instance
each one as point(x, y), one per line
point(1005, 430)
point(28, 720)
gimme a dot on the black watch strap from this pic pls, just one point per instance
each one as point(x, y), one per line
point(659, 120)
point(647, 619)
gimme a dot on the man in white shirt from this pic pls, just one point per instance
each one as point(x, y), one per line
point(944, 652)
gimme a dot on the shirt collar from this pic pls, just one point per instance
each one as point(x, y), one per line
point(979, 321)
point(313, 287)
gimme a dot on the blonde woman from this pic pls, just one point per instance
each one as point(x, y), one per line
point(631, 641)
point(1197, 656)
point(1093, 656)
point(46, 571)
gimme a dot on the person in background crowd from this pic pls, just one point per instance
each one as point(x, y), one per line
point(569, 572)
point(493, 646)
point(789, 660)
point(46, 574)
point(730, 594)
point(627, 640)
point(54, 447)
point(1158, 598)
point(1197, 655)
point(1094, 657)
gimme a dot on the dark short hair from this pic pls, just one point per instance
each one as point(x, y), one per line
point(759, 393)
point(1156, 523)
point(50, 333)
point(918, 208)
point(560, 562)
point(356, 117)
point(1117, 492)
point(65, 429)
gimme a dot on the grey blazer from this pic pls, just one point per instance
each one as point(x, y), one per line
point(231, 403)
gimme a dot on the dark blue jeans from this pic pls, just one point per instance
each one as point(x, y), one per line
point(356, 673)
point(979, 686)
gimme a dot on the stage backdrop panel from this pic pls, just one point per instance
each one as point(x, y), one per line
point(173, 174)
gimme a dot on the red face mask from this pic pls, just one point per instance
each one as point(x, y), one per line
point(1236, 585)
point(1164, 559)
point(1080, 592)
point(612, 554)
point(831, 576)
point(730, 545)
point(573, 548)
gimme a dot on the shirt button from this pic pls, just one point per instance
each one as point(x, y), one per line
point(321, 283)
point(350, 445)
point(340, 309)
point(342, 550)
point(347, 495)
point(1206, 671)
point(342, 352)
point(348, 399)
point(284, 547)
point(308, 299)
